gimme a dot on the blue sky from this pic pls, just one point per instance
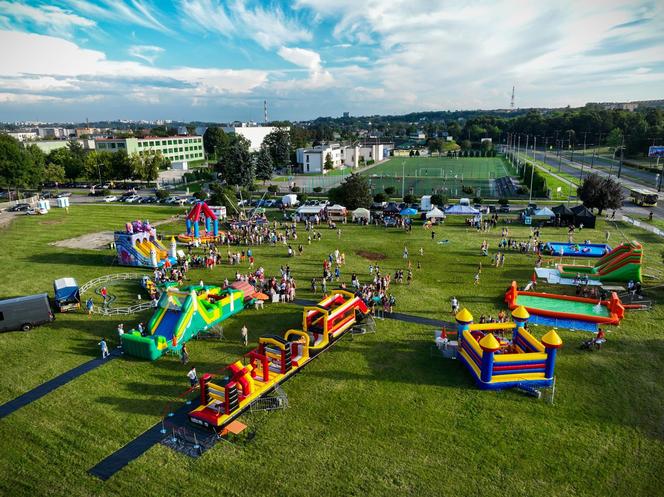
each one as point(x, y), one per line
point(218, 60)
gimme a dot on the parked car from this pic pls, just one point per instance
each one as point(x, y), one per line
point(24, 313)
point(132, 199)
point(64, 194)
point(19, 208)
point(110, 198)
point(504, 209)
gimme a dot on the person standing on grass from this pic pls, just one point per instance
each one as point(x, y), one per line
point(409, 278)
point(433, 235)
point(477, 278)
point(405, 252)
point(607, 235)
point(193, 377)
point(455, 305)
point(324, 286)
point(185, 354)
point(104, 349)
point(120, 333)
point(90, 306)
point(244, 333)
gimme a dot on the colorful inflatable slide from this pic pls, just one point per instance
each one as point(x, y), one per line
point(201, 213)
point(623, 263)
point(275, 360)
point(138, 245)
point(181, 314)
point(568, 310)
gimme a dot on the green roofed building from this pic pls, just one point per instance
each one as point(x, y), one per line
point(174, 148)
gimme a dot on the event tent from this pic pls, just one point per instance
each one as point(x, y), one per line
point(583, 216)
point(563, 213)
point(435, 213)
point(543, 213)
point(361, 213)
point(461, 210)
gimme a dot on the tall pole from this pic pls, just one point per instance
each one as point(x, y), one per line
point(569, 134)
point(518, 161)
point(659, 186)
point(622, 154)
point(546, 143)
point(532, 170)
point(560, 154)
point(403, 178)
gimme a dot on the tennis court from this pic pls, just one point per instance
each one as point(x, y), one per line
point(446, 175)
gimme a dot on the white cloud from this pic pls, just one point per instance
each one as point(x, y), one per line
point(148, 53)
point(137, 12)
point(48, 64)
point(54, 19)
point(310, 60)
point(269, 27)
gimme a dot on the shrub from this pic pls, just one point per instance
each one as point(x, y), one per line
point(390, 190)
point(318, 189)
point(370, 161)
point(438, 199)
point(503, 201)
point(381, 197)
point(522, 190)
point(252, 187)
point(477, 200)
point(468, 190)
point(273, 188)
point(409, 198)
point(162, 194)
point(295, 189)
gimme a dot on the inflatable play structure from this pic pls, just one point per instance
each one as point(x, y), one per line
point(623, 263)
point(138, 245)
point(181, 314)
point(577, 249)
point(275, 360)
point(497, 363)
point(201, 213)
point(566, 311)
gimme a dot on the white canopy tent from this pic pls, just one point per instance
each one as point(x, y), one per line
point(361, 213)
point(435, 213)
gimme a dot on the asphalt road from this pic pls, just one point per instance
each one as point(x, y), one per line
point(579, 170)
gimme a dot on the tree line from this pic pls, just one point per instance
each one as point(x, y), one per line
point(30, 167)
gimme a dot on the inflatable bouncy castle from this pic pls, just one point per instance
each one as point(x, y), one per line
point(138, 245)
point(201, 213)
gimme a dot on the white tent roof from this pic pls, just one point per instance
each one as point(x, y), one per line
point(361, 212)
point(309, 210)
point(336, 208)
point(64, 283)
point(544, 212)
point(435, 212)
point(465, 210)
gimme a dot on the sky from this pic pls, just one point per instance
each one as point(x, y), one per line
point(214, 60)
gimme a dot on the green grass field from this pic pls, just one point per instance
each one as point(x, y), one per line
point(378, 415)
point(426, 175)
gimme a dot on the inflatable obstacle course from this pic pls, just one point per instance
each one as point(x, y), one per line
point(275, 360)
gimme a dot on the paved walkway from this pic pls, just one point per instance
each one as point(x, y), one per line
point(38, 392)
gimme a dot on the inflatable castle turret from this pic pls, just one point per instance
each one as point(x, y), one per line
point(174, 248)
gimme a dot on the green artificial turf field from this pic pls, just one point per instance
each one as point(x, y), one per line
point(382, 414)
point(426, 175)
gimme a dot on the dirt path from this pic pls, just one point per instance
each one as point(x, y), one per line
point(97, 241)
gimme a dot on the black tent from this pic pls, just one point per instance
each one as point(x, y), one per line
point(583, 216)
point(564, 215)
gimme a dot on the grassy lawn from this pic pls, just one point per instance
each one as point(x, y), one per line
point(553, 182)
point(378, 415)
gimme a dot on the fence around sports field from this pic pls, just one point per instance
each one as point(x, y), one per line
point(444, 175)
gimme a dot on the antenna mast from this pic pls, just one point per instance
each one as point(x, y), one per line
point(512, 101)
point(265, 110)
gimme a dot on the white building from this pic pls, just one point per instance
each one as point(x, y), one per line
point(312, 160)
point(255, 134)
point(23, 136)
point(374, 152)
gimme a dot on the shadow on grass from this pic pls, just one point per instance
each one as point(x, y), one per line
point(73, 259)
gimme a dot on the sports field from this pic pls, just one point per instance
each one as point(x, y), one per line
point(446, 175)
